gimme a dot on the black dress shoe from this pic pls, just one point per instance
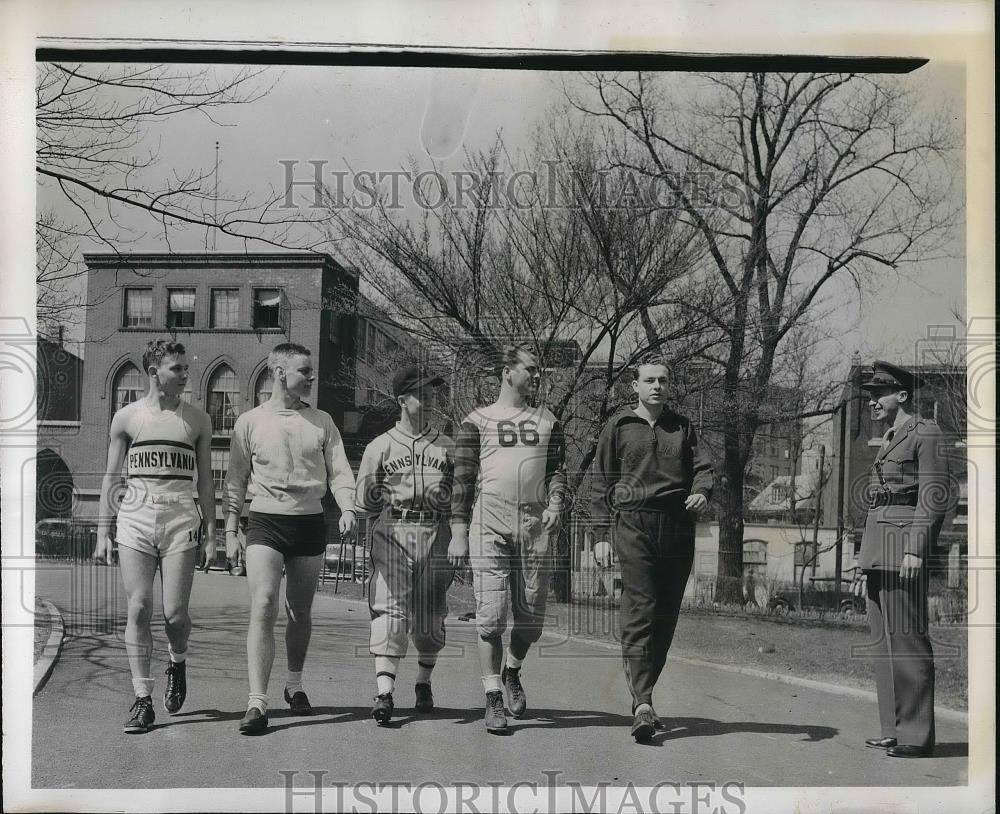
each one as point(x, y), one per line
point(299, 702)
point(880, 743)
point(909, 751)
point(254, 722)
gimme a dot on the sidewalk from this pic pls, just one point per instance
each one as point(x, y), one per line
point(722, 726)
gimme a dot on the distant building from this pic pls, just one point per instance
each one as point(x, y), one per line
point(58, 404)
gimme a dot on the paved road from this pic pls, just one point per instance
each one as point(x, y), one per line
point(722, 726)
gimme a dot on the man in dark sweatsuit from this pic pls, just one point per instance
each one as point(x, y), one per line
point(650, 480)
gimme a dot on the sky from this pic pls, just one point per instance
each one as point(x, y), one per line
point(377, 118)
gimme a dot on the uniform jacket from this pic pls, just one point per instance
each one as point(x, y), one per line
point(912, 472)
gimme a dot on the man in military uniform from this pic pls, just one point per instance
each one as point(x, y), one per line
point(908, 498)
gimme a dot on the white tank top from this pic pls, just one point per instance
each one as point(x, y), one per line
point(161, 458)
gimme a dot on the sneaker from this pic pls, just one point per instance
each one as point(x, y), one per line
point(239, 571)
point(299, 702)
point(425, 698)
point(382, 711)
point(254, 722)
point(176, 689)
point(644, 725)
point(496, 721)
point(141, 720)
point(517, 702)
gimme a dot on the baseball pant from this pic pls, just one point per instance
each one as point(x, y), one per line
point(408, 591)
point(902, 656)
point(510, 571)
point(656, 552)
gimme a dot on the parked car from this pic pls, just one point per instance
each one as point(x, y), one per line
point(347, 560)
point(818, 594)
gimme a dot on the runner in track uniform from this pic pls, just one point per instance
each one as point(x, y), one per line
point(165, 444)
point(289, 454)
point(405, 482)
point(509, 465)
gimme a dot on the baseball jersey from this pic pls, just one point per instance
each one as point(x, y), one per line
point(407, 472)
point(513, 455)
point(161, 458)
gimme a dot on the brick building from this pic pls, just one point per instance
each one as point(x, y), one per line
point(229, 310)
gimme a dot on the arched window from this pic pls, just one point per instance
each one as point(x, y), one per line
point(262, 389)
point(128, 387)
point(223, 400)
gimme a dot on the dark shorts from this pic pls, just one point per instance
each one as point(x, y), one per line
point(292, 535)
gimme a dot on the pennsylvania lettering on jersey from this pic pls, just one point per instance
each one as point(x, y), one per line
point(166, 460)
point(407, 472)
point(512, 455)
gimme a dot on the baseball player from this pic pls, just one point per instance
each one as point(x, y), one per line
point(289, 454)
point(509, 487)
point(165, 443)
point(405, 480)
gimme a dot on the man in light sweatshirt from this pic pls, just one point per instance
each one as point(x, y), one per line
point(291, 454)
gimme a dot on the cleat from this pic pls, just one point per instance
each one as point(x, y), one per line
point(176, 689)
point(425, 698)
point(644, 725)
point(141, 720)
point(517, 701)
point(496, 721)
point(298, 702)
point(254, 722)
point(382, 711)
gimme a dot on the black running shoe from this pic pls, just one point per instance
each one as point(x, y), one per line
point(644, 725)
point(254, 722)
point(425, 698)
point(299, 702)
point(517, 701)
point(142, 717)
point(382, 711)
point(496, 721)
point(176, 689)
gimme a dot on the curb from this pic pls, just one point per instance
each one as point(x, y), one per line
point(945, 713)
point(50, 652)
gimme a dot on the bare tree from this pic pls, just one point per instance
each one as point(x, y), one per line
point(800, 187)
point(96, 155)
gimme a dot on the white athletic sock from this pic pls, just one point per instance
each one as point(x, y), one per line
point(294, 682)
point(386, 668)
point(491, 683)
point(142, 687)
point(513, 663)
point(258, 700)
point(641, 707)
point(425, 666)
point(177, 658)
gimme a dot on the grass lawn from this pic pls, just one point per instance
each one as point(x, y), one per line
point(823, 650)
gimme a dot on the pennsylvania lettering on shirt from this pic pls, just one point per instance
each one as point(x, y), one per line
point(161, 460)
point(394, 465)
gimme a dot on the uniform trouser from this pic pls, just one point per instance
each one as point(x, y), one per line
point(902, 655)
point(656, 552)
point(409, 586)
point(511, 567)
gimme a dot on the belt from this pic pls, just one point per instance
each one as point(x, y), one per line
point(412, 514)
point(901, 499)
point(161, 499)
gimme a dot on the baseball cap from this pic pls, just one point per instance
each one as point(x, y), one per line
point(411, 378)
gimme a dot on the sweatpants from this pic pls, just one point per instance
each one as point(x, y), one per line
point(656, 552)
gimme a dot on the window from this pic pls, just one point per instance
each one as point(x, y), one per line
point(220, 464)
point(225, 308)
point(223, 400)
point(138, 308)
point(186, 395)
point(266, 308)
point(129, 386)
point(262, 390)
point(180, 308)
point(928, 409)
point(774, 472)
point(371, 351)
point(777, 493)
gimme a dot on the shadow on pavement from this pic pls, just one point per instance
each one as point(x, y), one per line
point(951, 750)
point(677, 728)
